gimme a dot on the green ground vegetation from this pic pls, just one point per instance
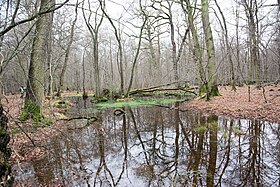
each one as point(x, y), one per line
point(134, 102)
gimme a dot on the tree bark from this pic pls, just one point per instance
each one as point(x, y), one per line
point(211, 86)
point(197, 53)
point(6, 178)
point(35, 85)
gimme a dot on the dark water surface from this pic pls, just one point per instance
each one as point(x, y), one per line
point(159, 146)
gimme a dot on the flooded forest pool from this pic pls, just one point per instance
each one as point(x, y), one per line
point(157, 146)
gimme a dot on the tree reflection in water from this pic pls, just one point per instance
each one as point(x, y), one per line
point(161, 146)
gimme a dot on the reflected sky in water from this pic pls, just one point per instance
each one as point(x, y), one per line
point(159, 146)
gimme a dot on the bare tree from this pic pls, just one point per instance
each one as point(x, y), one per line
point(67, 52)
point(251, 10)
point(118, 38)
point(12, 23)
point(228, 47)
point(165, 13)
point(94, 32)
point(145, 18)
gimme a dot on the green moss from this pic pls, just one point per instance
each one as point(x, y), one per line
point(201, 129)
point(15, 131)
point(31, 110)
point(5, 164)
point(61, 104)
point(99, 100)
point(46, 121)
point(202, 90)
point(214, 126)
point(212, 91)
point(133, 103)
point(78, 95)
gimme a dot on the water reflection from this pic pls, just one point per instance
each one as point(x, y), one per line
point(161, 146)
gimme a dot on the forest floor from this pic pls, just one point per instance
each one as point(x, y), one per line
point(263, 105)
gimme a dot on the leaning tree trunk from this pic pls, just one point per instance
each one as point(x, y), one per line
point(136, 55)
point(35, 84)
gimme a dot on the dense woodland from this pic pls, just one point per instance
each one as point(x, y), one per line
point(135, 44)
point(50, 46)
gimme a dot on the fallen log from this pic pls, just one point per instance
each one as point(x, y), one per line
point(159, 89)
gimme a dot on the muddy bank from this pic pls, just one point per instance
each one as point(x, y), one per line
point(263, 104)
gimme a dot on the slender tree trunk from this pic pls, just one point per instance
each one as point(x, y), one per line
point(229, 55)
point(94, 31)
point(120, 48)
point(251, 10)
point(136, 55)
point(84, 75)
point(67, 53)
point(153, 55)
point(174, 50)
point(238, 46)
point(96, 67)
point(158, 61)
point(35, 85)
point(111, 62)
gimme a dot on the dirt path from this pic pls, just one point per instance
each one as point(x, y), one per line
point(236, 104)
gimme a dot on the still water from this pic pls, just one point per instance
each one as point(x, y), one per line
point(159, 146)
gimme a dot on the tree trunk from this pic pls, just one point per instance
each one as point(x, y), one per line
point(5, 152)
point(136, 55)
point(84, 76)
point(96, 67)
point(174, 50)
point(35, 85)
point(211, 86)
point(94, 31)
point(67, 53)
point(251, 10)
point(120, 48)
point(197, 54)
point(229, 55)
